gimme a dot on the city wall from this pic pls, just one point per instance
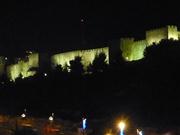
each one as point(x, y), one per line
point(87, 56)
point(23, 68)
point(173, 32)
point(132, 50)
point(156, 35)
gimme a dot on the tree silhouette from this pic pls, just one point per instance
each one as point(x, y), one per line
point(66, 68)
point(59, 68)
point(76, 67)
point(99, 64)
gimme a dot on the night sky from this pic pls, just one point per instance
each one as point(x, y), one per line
point(55, 25)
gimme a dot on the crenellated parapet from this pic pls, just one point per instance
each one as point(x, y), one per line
point(173, 32)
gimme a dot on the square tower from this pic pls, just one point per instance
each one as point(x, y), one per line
point(172, 32)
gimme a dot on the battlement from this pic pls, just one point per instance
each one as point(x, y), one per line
point(173, 32)
point(172, 27)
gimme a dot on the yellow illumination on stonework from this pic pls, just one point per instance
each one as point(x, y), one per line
point(156, 35)
point(132, 50)
point(22, 68)
point(87, 56)
point(173, 32)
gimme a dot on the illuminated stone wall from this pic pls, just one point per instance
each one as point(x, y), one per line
point(22, 67)
point(87, 56)
point(156, 35)
point(132, 50)
point(173, 32)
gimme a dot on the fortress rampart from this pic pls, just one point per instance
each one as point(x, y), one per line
point(134, 50)
point(156, 35)
point(87, 56)
point(131, 50)
point(23, 67)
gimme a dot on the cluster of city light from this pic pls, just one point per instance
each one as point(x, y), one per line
point(121, 125)
point(51, 117)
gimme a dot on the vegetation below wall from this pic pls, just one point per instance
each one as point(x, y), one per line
point(147, 90)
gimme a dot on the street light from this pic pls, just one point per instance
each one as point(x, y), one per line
point(84, 123)
point(139, 132)
point(51, 118)
point(84, 126)
point(23, 115)
point(121, 127)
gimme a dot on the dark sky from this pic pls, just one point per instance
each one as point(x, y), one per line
point(55, 25)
